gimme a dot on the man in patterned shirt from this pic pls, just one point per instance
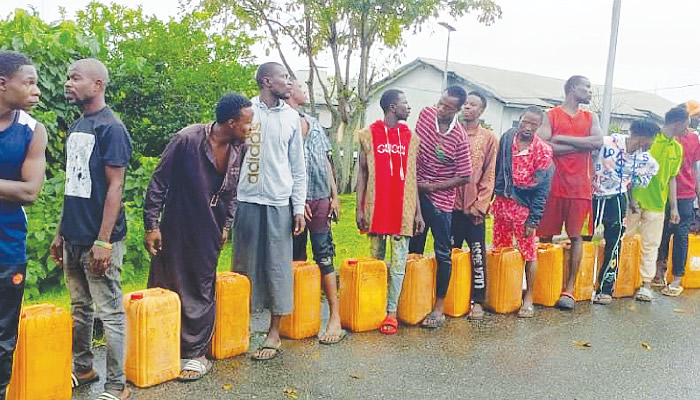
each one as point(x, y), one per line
point(523, 177)
point(473, 199)
point(444, 164)
point(622, 162)
point(322, 205)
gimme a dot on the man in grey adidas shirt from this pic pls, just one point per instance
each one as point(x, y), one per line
point(273, 176)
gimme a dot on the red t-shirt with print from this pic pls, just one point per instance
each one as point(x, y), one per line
point(391, 160)
point(685, 180)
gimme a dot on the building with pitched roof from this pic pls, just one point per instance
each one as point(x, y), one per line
point(507, 92)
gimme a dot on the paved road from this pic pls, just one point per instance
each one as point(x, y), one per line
point(501, 357)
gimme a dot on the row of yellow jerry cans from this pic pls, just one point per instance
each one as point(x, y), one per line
point(42, 363)
point(549, 273)
point(153, 315)
point(43, 352)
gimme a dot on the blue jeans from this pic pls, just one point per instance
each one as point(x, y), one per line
point(397, 266)
point(680, 237)
point(319, 229)
point(439, 222)
point(105, 292)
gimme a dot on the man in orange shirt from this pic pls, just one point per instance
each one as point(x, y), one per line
point(573, 134)
point(473, 199)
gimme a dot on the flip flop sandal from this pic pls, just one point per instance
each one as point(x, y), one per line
point(110, 396)
point(566, 301)
point(476, 317)
point(343, 335)
point(672, 291)
point(644, 294)
point(75, 381)
point(277, 352)
point(526, 312)
point(433, 322)
point(389, 326)
point(603, 299)
point(195, 366)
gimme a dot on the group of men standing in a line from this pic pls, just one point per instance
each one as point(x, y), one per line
point(263, 169)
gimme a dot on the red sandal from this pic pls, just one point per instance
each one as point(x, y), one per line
point(389, 326)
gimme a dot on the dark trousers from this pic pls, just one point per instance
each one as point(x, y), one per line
point(464, 229)
point(438, 222)
point(680, 237)
point(11, 292)
point(321, 237)
point(610, 211)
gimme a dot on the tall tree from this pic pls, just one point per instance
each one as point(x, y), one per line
point(351, 32)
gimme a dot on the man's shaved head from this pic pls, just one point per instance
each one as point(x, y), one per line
point(92, 68)
point(86, 83)
point(266, 70)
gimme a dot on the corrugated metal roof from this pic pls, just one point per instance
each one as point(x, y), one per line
point(520, 88)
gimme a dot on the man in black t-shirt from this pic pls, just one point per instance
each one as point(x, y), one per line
point(90, 239)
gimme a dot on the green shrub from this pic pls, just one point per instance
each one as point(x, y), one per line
point(42, 218)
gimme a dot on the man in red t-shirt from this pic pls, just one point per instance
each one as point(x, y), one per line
point(573, 134)
point(686, 192)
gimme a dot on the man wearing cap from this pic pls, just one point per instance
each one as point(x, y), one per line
point(686, 193)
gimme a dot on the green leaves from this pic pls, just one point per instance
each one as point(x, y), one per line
point(164, 75)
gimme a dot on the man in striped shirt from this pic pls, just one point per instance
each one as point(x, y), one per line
point(444, 163)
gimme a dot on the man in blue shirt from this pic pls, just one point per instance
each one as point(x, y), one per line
point(22, 165)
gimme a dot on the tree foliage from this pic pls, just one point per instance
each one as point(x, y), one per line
point(164, 76)
point(352, 32)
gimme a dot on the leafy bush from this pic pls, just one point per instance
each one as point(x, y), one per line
point(42, 218)
point(134, 192)
point(165, 75)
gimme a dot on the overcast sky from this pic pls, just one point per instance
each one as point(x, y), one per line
point(656, 49)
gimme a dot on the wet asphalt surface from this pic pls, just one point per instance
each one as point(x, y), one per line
point(501, 357)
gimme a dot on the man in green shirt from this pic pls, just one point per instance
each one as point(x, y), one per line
point(646, 211)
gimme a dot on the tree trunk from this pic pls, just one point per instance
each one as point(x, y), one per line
point(309, 52)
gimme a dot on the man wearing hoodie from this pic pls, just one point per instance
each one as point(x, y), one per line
point(523, 177)
point(271, 195)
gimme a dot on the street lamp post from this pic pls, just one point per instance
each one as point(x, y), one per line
point(450, 29)
point(607, 93)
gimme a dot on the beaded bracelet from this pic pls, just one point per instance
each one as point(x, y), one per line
point(104, 245)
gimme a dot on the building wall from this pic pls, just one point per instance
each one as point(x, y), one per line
point(423, 87)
